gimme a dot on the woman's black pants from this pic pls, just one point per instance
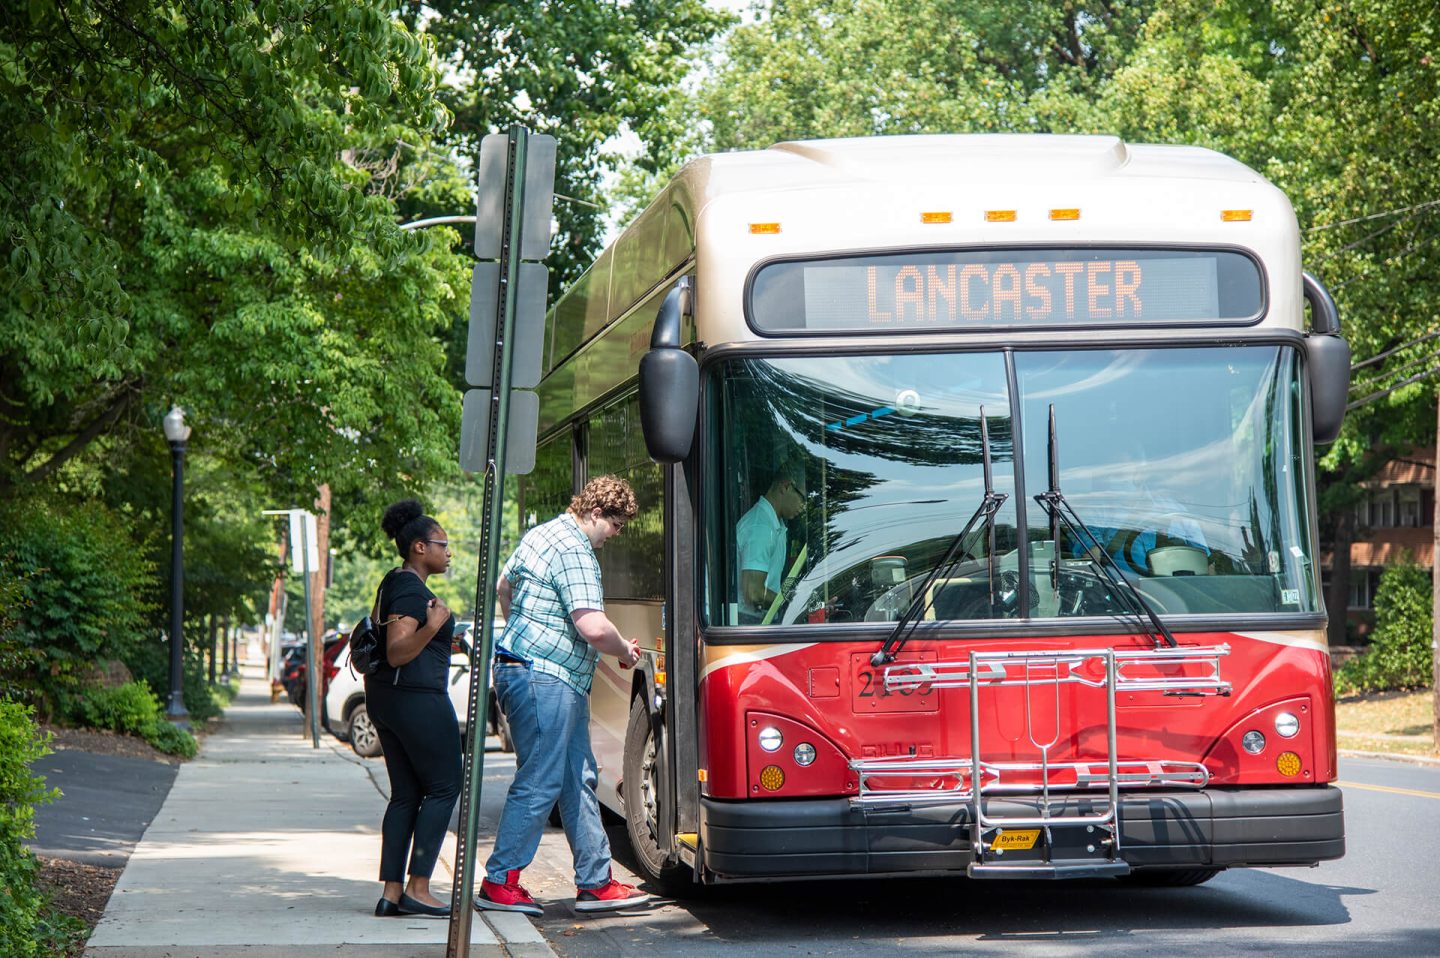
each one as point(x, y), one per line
point(421, 741)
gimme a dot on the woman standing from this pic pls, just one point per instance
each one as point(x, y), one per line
point(407, 701)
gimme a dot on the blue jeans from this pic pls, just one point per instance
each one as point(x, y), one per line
point(550, 726)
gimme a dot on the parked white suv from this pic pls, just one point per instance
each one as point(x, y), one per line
point(347, 718)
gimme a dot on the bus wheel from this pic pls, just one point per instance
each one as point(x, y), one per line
point(641, 790)
point(1170, 877)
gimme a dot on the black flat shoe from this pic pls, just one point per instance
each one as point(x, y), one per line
point(384, 908)
point(409, 906)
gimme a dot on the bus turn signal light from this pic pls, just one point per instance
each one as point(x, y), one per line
point(999, 216)
point(1288, 764)
point(1064, 214)
point(939, 216)
point(772, 778)
point(764, 227)
point(1235, 216)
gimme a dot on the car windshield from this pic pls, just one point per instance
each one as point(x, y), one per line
point(837, 483)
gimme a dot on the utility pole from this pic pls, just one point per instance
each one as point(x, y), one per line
point(1435, 592)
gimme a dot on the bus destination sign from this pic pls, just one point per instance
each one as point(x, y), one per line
point(1007, 288)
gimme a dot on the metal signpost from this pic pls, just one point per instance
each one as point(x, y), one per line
point(507, 320)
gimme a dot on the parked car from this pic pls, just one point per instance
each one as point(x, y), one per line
point(349, 720)
point(292, 672)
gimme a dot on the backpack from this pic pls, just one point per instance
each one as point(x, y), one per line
point(367, 642)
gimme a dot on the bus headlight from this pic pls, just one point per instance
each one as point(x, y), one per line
point(1253, 742)
point(1287, 725)
point(770, 738)
point(804, 753)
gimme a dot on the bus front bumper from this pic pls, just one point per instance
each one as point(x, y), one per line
point(1214, 828)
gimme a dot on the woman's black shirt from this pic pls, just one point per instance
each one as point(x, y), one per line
point(403, 593)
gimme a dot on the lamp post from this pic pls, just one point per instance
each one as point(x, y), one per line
point(177, 433)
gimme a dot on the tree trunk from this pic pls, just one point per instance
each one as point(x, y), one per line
point(1435, 594)
point(1338, 601)
point(212, 648)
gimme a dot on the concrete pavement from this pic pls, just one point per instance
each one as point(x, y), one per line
point(268, 848)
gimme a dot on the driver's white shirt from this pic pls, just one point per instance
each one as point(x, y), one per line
point(760, 544)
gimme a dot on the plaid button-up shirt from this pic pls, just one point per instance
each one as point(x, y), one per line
point(552, 574)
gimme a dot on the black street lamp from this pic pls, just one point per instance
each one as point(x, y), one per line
point(177, 432)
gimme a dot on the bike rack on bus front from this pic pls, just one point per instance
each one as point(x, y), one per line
point(955, 780)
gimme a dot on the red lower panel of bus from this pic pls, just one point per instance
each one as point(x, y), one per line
point(787, 721)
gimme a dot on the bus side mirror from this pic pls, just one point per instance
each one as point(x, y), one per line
point(1328, 362)
point(669, 382)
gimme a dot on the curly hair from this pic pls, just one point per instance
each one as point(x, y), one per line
point(611, 495)
point(405, 521)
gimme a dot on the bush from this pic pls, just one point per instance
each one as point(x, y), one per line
point(171, 739)
point(1400, 654)
point(130, 708)
point(151, 662)
point(21, 919)
point(134, 710)
point(81, 595)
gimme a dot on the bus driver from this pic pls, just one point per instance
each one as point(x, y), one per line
point(760, 542)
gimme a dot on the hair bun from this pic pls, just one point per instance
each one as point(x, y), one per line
point(399, 515)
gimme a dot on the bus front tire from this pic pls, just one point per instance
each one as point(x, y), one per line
point(641, 789)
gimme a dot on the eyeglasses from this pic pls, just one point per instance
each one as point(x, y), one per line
point(442, 543)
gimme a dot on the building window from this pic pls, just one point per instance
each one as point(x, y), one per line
point(1361, 588)
point(1382, 510)
point(1410, 512)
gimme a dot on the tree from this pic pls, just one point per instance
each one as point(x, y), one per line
point(184, 227)
point(589, 75)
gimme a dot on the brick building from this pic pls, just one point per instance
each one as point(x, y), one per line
point(1395, 519)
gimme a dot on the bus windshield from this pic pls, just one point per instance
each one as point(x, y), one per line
point(837, 483)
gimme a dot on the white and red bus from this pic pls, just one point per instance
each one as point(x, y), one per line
point(1034, 421)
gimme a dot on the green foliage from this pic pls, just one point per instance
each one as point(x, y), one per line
point(151, 664)
point(171, 739)
point(587, 75)
point(1400, 648)
point(134, 710)
point(189, 220)
point(81, 593)
point(21, 903)
point(128, 708)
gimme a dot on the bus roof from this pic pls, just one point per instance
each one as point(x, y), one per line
point(731, 211)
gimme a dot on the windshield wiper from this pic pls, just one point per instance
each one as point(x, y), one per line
point(923, 599)
point(1062, 513)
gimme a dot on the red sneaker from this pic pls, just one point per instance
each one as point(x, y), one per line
point(611, 896)
point(510, 896)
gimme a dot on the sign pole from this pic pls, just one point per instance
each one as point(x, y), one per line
point(461, 915)
point(312, 643)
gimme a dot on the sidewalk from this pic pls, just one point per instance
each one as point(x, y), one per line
point(268, 848)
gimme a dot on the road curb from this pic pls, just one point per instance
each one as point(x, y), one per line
point(1390, 757)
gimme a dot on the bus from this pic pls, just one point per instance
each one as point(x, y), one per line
point(977, 529)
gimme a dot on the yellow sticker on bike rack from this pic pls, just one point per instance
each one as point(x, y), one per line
point(1020, 838)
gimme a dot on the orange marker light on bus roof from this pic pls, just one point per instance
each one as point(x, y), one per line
point(1235, 216)
point(1067, 214)
point(999, 216)
point(764, 227)
point(938, 216)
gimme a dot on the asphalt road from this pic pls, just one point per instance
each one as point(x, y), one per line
point(1379, 900)
point(106, 804)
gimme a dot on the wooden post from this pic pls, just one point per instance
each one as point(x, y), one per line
point(1435, 593)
